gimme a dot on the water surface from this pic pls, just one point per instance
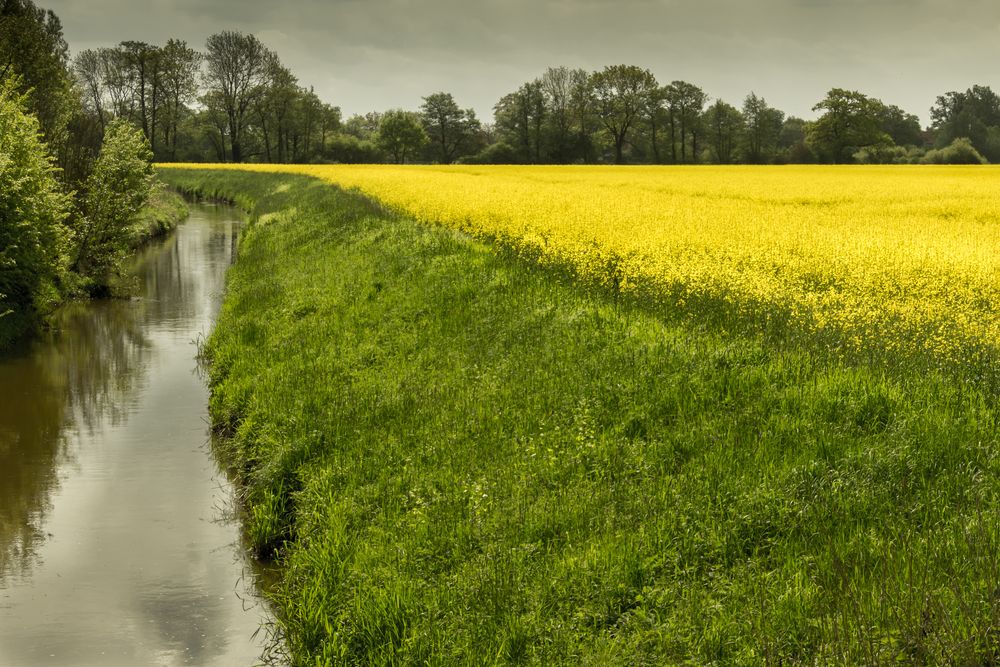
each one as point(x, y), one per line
point(115, 542)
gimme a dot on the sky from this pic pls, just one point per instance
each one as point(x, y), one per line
point(373, 55)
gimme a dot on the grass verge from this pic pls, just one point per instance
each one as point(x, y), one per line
point(461, 459)
point(163, 212)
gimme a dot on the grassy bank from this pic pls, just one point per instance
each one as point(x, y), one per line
point(165, 210)
point(460, 459)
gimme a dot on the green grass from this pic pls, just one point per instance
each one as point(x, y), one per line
point(461, 459)
point(164, 211)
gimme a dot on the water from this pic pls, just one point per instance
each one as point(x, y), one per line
point(116, 547)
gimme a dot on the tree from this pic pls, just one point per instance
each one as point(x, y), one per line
point(974, 114)
point(181, 65)
point(621, 93)
point(401, 134)
point(363, 126)
point(348, 149)
point(214, 124)
point(329, 123)
point(582, 106)
point(117, 189)
point(851, 121)
point(118, 82)
point(723, 124)
point(237, 72)
point(792, 142)
point(275, 109)
point(685, 102)
point(762, 129)
point(147, 84)
point(520, 118)
point(307, 118)
point(450, 128)
point(557, 88)
point(960, 151)
point(88, 68)
point(33, 49)
point(903, 128)
point(143, 67)
point(656, 117)
point(33, 208)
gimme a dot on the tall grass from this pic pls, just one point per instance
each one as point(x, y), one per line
point(162, 213)
point(462, 459)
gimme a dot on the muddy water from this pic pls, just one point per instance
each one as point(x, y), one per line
point(115, 543)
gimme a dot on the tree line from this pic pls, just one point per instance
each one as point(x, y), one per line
point(233, 102)
point(236, 101)
point(623, 114)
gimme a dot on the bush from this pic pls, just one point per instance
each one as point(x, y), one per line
point(498, 153)
point(33, 238)
point(960, 151)
point(889, 155)
point(800, 153)
point(117, 190)
point(991, 145)
point(349, 149)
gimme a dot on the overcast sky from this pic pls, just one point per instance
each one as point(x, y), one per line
point(365, 55)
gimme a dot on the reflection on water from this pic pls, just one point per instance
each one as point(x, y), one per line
point(113, 547)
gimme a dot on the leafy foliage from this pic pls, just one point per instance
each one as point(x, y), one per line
point(33, 208)
point(401, 134)
point(851, 120)
point(117, 189)
point(763, 128)
point(960, 151)
point(685, 102)
point(452, 130)
point(238, 68)
point(621, 94)
point(33, 49)
point(974, 115)
point(348, 149)
point(723, 123)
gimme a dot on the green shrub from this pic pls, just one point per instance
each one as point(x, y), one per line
point(888, 155)
point(351, 150)
point(960, 151)
point(117, 190)
point(33, 208)
point(498, 153)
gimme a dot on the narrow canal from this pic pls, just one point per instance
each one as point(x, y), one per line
point(116, 542)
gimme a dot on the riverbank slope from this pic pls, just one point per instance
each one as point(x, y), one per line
point(460, 458)
point(165, 210)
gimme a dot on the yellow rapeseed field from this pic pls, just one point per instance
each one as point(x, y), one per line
point(905, 258)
